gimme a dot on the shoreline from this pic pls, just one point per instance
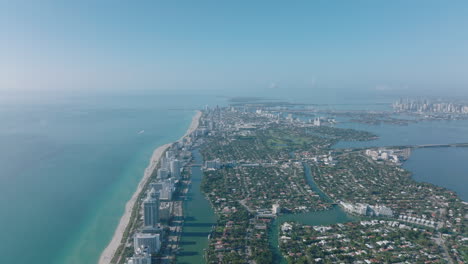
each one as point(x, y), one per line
point(108, 253)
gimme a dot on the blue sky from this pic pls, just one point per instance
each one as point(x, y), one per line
point(384, 45)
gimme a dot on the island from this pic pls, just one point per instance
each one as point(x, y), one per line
point(263, 161)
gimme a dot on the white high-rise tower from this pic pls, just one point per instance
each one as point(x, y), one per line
point(175, 169)
point(151, 209)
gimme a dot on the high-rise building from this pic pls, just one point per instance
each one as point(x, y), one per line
point(141, 257)
point(163, 173)
point(165, 211)
point(147, 241)
point(164, 163)
point(157, 186)
point(170, 154)
point(151, 209)
point(175, 169)
point(317, 121)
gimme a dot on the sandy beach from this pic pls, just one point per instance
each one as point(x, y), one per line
point(111, 248)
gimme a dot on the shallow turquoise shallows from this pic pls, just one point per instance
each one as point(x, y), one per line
point(69, 165)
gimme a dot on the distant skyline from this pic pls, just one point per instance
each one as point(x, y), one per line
point(225, 45)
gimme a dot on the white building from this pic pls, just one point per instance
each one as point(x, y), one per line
point(151, 209)
point(276, 209)
point(380, 210)
point(170, 154)
point(367, 210)
point(150, 242)
point(166, 188)
point(175, 169)
point(163, 173)
point(141, 257)
point(317, 121)
point(165, 211)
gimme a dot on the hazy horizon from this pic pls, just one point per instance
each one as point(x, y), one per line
point(383, 46)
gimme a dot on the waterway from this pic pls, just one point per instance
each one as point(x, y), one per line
point(199, 218)
point(327, 217)
point(71, 163)
point(426, 164)
point(445, 167)
point(68, 165)
point(424, 132)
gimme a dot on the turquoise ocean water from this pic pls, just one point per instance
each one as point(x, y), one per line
point(69, 164)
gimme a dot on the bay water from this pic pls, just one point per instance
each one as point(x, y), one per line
point(69, 164)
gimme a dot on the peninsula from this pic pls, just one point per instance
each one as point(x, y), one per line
point(262, 163)
point(257, 157)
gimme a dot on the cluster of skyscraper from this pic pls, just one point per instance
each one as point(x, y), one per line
point(403, 105)
point(147, 242)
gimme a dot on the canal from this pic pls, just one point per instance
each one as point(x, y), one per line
point(199, 218)
point(326, 217)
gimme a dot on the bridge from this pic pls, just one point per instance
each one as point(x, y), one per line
point(451, 145)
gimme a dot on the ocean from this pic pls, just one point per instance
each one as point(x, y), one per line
point(68, 164)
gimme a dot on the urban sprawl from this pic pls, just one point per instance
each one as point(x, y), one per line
point(264, 161)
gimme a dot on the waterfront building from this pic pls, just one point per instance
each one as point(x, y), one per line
point(367, 210)
point(165, 188)
point(384, 156)
point(372, 153)
point(362, 209)
point(165, 163)
point(211, 125)
point(145, 259)
point(167, 193)
point(265, 213)
point(163, 173)
point(380, 210)
point(150, 242)
point(170, 154)
point(165, 211)
point(157, 186)
point(141, 257)
point(151, 209)
point(317, 121)
point(175, 169)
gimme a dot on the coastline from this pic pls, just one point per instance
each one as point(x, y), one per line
point(109, 251)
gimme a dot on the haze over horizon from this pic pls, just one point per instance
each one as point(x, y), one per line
point(109, 46)
point(195, 131)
